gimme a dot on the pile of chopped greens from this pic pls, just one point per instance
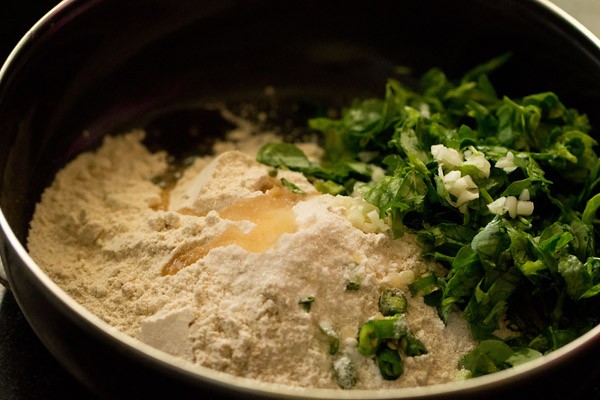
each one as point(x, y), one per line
point(503, 192)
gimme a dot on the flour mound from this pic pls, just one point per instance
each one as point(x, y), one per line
point(103, 232)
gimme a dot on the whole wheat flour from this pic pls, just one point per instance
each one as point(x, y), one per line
point(203, 272)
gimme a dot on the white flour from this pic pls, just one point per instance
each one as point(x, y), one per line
point(104, 232)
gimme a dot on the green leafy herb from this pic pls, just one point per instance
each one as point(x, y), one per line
point(424, 285)
point(489, 356)
point(502, 191)
point(494, 355)
point(291, 186)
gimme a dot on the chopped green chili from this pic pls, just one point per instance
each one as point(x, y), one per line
point(390, 364)
point(392, 301)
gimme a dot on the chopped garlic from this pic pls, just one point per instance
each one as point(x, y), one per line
point(362, 215)
point(400, 280)
point(424, 110)
point(507, 163)
point(457, 187)
point(446, 156)
point(450, 158)
point(477, 159)
point(377, 174)
point(524, 195)
point(461, 187)
point(465, 197)
point(497, 206)
point(524, 208)
point(450, 177)
point(511, 205)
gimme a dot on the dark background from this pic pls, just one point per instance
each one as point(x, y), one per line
point(27, 370)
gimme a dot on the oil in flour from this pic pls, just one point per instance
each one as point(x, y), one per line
point(207, 277)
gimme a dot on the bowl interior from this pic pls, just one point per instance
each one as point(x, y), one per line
point(103, 66)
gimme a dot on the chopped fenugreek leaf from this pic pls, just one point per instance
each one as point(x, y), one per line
point(291, 186)
point(424, 285)
point(502, 192)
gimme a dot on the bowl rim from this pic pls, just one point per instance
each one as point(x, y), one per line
point(172, 364)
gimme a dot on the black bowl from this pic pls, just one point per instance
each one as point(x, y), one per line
point(104, 66)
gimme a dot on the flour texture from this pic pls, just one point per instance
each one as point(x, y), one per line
point(199, 271)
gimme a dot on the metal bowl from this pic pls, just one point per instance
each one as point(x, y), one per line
point(103, 66)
